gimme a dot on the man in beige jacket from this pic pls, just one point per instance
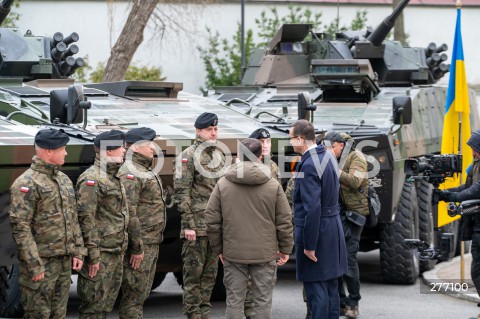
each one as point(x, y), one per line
point(249, 225)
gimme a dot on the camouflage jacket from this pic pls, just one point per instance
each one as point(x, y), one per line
point(145, 197)
point(200, 171)
point(354, 177)
point(289, 191)
point(273, 168)
point(43, 215)
point(102, 212)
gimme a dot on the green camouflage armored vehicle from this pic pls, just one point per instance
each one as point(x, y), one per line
point(36, 93)
point(381, 93)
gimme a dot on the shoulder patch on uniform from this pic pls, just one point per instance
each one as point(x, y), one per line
point(24, 189)
point(130, 176)
point(184, 160)
point(90, 182)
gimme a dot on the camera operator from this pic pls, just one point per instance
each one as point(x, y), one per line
point(470, 225)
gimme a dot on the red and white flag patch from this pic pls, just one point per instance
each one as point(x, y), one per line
point(90, 182)
point(130, 176)
point(184, 160)
point(24, 189)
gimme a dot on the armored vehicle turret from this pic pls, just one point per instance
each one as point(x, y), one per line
point(36, 92)
point(383, 94)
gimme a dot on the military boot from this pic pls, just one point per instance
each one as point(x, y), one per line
point(352, 312)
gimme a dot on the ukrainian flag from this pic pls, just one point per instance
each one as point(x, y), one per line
point(456, 123)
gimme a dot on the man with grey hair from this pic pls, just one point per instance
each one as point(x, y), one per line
point(249, 225)
point(319, 240)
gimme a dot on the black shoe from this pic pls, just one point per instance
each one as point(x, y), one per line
point(249, 317)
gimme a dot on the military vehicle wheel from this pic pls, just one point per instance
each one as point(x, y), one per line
point(158, 279)
point(10, 305)
point(219, 293)
point(425, 220)
point(398, 262)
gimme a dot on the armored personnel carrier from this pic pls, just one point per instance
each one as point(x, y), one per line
point(36, 92)
point(381, 93)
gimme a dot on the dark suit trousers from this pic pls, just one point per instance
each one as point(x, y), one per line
point(323, 299)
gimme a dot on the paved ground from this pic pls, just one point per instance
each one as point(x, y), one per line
point(446, 278)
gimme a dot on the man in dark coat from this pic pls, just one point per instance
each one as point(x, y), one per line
point(319, 240)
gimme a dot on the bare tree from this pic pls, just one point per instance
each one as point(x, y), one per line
point(399, 29)
point(129, 40)
point(132, 33)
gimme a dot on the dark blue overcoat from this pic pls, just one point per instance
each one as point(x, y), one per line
point(316, 217)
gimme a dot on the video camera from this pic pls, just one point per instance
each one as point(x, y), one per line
point(425, 251)
point(435, 168)
point(468, 207)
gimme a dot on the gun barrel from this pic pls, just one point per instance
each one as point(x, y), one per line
point(382, 30)
point(5, 9)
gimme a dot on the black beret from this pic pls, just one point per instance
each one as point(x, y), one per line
point(114, 136)
point(51, 139)
point(260, 133)
point(140, 134)
point(474, 141)
point(205, 120)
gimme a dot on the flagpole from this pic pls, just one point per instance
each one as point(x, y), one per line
point(458, 5)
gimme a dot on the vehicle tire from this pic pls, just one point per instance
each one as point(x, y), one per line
point(158, 279)
point(425, 220)
point(10, 306)
point(399, 264)
point(219, 293)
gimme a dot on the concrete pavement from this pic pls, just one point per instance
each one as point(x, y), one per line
point(445, 278)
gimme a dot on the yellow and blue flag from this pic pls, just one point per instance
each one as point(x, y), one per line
point(456, 123)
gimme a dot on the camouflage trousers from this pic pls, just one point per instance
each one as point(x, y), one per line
point(48, 297)
point(98, 294)
point(136, 284)
point(200, 267)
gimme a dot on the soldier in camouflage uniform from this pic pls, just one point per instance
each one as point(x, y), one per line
point(291, 182)
point(201, 165)
point(107, 228)
point(43, 215)
point(353, 187)
point(263, 136)
point(145, 199)
point(265, 139)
